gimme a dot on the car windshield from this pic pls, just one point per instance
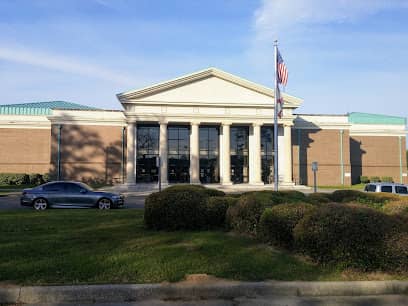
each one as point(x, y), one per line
point(83, 185)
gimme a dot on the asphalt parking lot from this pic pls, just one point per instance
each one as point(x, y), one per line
point(11, 202)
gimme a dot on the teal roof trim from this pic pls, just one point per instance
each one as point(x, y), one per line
point(364, 118)
point(40, 108)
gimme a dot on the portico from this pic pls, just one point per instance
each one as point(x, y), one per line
point(207, 127)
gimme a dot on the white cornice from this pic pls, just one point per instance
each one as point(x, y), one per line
point(127, 97)
point(24, 121)
point(110, 118)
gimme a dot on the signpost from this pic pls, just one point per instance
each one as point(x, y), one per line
point(158, 165)
point(314, 169)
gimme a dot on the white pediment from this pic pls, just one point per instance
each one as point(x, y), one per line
point(207, 87)
point(211, 90)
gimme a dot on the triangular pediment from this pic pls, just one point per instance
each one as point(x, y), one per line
point(210, 86)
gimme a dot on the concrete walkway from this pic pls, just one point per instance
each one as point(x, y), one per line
point(215, 292)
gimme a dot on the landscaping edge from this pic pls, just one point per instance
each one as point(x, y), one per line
point(218, 289)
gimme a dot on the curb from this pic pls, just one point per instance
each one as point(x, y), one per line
point(197, 291)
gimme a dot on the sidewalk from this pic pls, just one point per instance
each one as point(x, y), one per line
point(208, 289)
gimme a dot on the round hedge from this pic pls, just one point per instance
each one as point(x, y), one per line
point(244, 216)
point(277, 223)
point(217, 209)
point(199, 188)
point(176, 209)
point(351, 236)
point(319, 198)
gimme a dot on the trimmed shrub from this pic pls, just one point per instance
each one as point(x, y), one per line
point(14, 179)
point(35, 179)
point(387, 179)
point(176, 210)
point(364, 179)
point(396, 208)
point(397, 251)
point(373, 200)
point(187, 187)
point(217, 209)
point(319, 198)
point(350, 236)
point(270, 198)
point(46, 178)
point(277, 223)
point(375, 179)
point(245, 215)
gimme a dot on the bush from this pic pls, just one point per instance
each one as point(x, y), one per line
point(245, 215)
point(270, 198)
point(364, 179)
point(387, 179)
point(350, 236)
point(277, 223)
point(186, 187)
point(46, 178)
point(176, 209)
point(217, 209)
point(373, 200)
point(14, 179)
point(318, 198)
point(35, 179)
point(396, 208)
point(374, 179)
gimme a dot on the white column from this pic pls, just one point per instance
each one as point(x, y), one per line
point(131, 153)
point(194, 154)
point(163, 152)
point(225, 154)
point(255, 155)
point(287, 174)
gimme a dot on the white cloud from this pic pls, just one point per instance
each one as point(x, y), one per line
point(62, 63)
point(276, 16)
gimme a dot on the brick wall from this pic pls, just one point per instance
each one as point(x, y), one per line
point(89, 152)
point(377, 156)
point(323, 146)
point(24, 150)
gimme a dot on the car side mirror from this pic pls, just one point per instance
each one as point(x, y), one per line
point(83, 191)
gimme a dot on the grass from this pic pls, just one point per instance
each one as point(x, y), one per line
point(353, 187)
point(90, 246)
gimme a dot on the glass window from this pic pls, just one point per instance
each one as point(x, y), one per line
point(386, 188)
point(72, 188)
point(267, 154)
point(209, 161)
point(239, 154)
point(401, 189)
point(147, 151)
point(53, 187)
point(179, 154)
point(371, 188)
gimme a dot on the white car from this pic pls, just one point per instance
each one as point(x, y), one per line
point(387, 187)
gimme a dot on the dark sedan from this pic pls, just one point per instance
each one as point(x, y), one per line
point(67, 195)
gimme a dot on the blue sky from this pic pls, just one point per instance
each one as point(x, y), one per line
point(342, 55)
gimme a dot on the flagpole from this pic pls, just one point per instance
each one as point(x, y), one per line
point(275, 127)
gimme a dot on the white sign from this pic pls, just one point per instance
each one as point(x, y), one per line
point(347, 174)
point(404, 174)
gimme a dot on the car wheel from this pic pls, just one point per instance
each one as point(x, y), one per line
point(40, 204)
point(104, 203)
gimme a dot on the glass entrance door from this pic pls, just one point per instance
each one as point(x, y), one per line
point(147, 151)
point(209, 154)
point(267, 154)
point(179, 154)
point(239, 154)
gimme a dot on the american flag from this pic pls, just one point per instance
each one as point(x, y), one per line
point(282, 71)
point(279, 104)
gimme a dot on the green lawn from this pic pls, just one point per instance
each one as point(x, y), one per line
point(91, 246)
point(354, 187)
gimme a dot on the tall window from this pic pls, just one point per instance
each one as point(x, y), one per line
point(239, 154)
point(267, 154)
point(147, 151)
point(209, 154)
point(179, 154)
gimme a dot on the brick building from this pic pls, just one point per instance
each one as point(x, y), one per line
point(207, 127)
